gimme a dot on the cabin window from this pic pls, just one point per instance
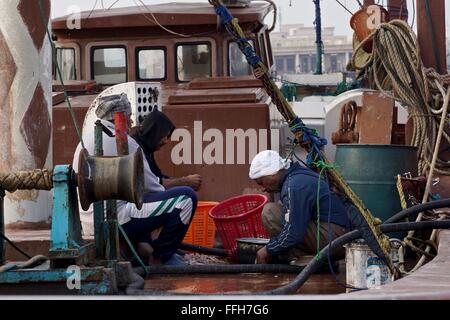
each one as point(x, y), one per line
point(193, 61)
point(109, 65)
point(151, 64)
point(66, 61)
point(238, 65)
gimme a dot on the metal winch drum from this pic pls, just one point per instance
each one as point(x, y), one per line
point(365, 270)
point(103, 178)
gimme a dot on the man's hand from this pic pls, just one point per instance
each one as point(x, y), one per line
point(194, 181)
point(262, 256)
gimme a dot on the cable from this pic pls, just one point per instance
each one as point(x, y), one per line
point(275, 14)
point(343, 6)
point(14, 246)
point(154, 20)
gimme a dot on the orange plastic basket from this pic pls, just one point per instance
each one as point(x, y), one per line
point(202, 230)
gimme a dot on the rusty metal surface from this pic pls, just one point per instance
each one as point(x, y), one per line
point(170, 14)
point(212, 96)
point(75, 86)
point(36, 128)
point(220, 181)
point(57, 98)
point(225, 83)
point(65, 139)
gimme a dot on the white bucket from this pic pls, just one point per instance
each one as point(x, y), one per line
point(364, 269)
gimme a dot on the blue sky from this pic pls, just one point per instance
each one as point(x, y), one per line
point(293, 11)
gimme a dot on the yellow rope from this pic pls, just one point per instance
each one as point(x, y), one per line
point(261, 72)
point(397, 70)
point(401, 193)
point(26, 180)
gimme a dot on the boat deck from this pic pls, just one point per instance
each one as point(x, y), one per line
point(432, 281)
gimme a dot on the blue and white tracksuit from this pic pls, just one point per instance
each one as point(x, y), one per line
point(171, 209)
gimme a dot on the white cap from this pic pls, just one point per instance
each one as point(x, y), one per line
point(267, 163)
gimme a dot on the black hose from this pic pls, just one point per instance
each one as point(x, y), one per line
point(339, 242)
point(418, 209)
point(204, 250)
point(315, 264)
point(222, 269)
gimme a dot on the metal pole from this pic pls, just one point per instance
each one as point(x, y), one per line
point(113, 248)
point(99, 207)
point(2, 229)
point(319, 42)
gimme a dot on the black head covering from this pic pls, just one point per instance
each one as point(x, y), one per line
point(148, 135)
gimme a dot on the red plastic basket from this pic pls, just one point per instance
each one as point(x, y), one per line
point(239, 217)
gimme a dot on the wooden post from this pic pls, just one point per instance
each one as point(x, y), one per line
point(398, 9)
point(431, 33)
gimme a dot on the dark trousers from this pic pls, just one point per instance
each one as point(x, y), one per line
point(181, 202)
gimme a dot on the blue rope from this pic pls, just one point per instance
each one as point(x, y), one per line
point(224, 14)
point(310, 136)
point(248, 51)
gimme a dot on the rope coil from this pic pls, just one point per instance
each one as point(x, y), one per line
point(395, 64)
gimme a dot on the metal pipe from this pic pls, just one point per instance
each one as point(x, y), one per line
point(222, 269)
point(99, 206)
point(112, 247)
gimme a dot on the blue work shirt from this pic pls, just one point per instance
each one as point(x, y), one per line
point(299, 201)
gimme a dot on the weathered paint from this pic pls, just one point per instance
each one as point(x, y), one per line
point(66, 226)
point(364, 268)
point(25, 91)
point(39, 276)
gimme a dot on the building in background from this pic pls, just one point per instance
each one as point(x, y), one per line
point(294, 50)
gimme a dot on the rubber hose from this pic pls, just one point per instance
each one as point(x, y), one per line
point(315, 264)
point(221, 269)
point(339, 242)
point(418, 209)
point(204, 250)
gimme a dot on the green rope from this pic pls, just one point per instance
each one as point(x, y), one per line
point(58, 69)
point(322, 166)
point(136, 255)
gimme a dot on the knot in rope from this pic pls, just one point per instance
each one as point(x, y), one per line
point(310, 137)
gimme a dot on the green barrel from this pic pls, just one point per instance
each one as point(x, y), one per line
point(371, 171)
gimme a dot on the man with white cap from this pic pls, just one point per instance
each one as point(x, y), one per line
point(293, 223)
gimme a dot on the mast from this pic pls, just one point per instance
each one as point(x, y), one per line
point(319, 42)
